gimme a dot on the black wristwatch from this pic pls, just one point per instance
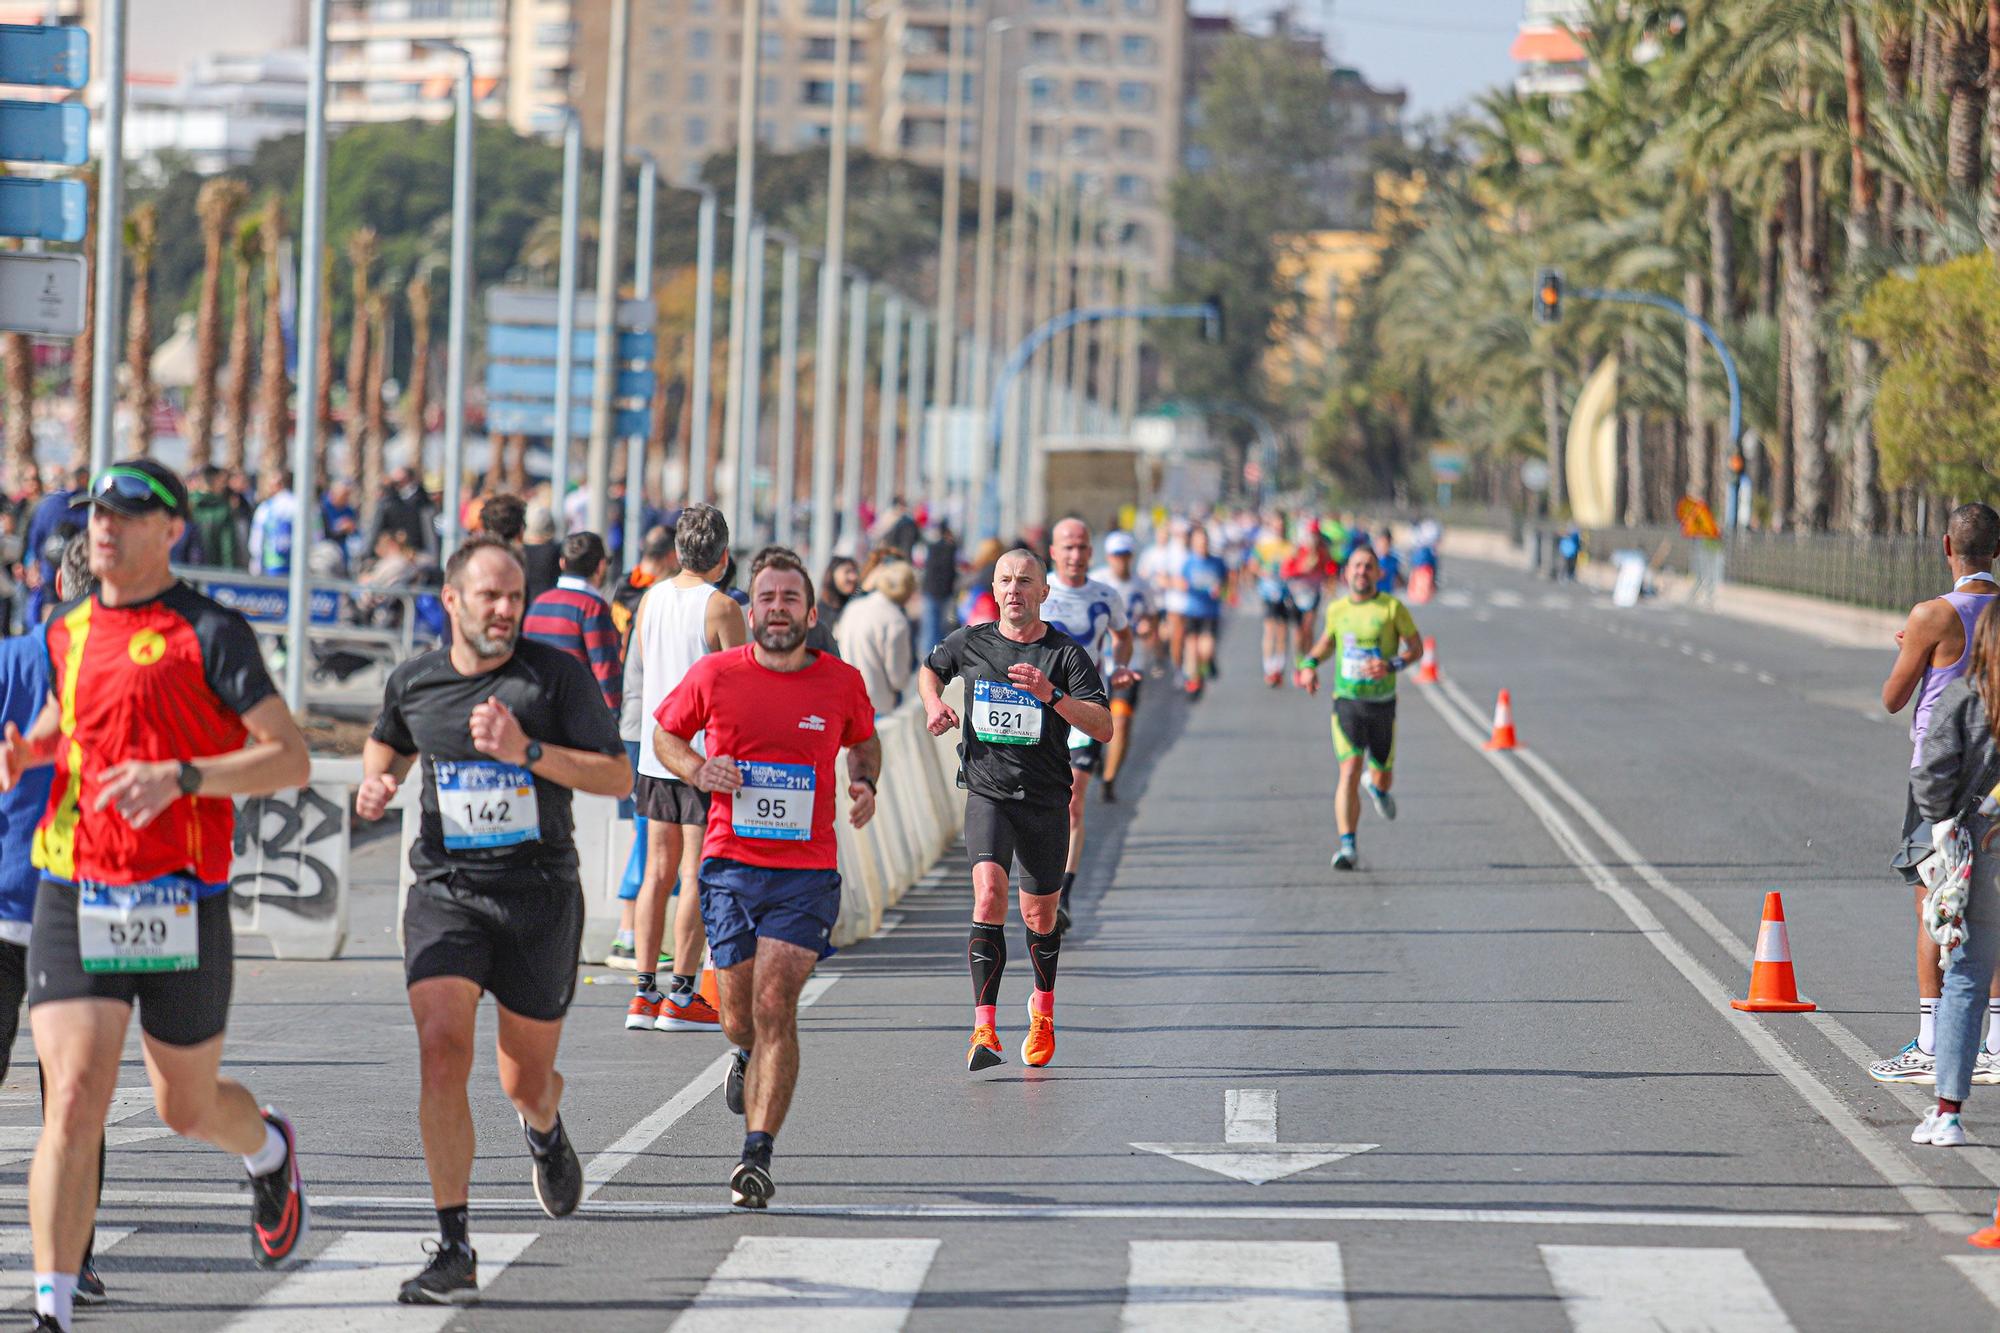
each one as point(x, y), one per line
point(189, 780)
point(1056, 696)
point(534, 753)
point(870, 784)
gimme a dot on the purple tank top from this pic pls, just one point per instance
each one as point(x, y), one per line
point(1968, 605)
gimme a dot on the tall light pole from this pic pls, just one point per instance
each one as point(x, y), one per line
point(885, 400)
point(703, 371)
point(305, 475)
point(947, 310)
point(745, 488)
point(913, 455)
point(826, 346)
point(784, 477)
point(642, 287)
point(572, 205)
point(1014, 319)
point(989, 204)
point(459, 301)
point(109, 314)
point(739, 248)
point(604, 385)
point(857, 365)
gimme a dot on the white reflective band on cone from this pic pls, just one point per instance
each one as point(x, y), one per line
point(1772, 945)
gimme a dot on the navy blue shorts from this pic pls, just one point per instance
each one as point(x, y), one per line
point(741, 904)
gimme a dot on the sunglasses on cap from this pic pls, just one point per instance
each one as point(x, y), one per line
point(134, 487)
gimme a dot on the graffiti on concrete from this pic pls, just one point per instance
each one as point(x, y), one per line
point(290, 853)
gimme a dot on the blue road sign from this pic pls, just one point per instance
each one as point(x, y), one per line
point(43, 210)
point(509, 418)
point(56, 132)
point(539, 381)
point(44, 56)
point(538, 342)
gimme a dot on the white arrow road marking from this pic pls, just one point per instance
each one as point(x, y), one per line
point(1250, 1150)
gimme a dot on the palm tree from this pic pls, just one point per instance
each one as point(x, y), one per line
point(142, 238)
point(367, 416)
point(1864, 510)
point(323, 361)
point(274, 390)
point(83, 348)
point(18, 356)
point(245, 251)
point(361, 259)
point(416, 395)
point(217, 205)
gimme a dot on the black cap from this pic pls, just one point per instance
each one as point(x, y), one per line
point(136, 486)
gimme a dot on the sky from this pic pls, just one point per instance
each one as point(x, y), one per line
point(1441, 52)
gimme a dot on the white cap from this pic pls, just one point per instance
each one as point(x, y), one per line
point(1118, 543)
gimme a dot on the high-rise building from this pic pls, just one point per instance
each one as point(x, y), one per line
point(378, 68)
point(1553, 63)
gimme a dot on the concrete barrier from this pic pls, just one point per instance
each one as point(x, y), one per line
point(289, 879)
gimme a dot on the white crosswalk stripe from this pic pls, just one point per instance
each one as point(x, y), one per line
point(1982, 1271)
point(350, 1285)
point(1653, 1289)
point(1271, 1286)
point(830, 1286)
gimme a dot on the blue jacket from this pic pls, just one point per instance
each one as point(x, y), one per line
point(24, 688)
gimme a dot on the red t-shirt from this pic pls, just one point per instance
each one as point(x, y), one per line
point(784, 730)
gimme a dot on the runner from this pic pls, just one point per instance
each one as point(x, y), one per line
point(508, 727)
point(1306, 572)
point(1028, 685)
point(1934, 649)
point(679, 622)
point(1267, 560)
point(1162, 567)
point(138, 832)
point(1202, 579)
point(775, 715)
point(1088, 612)
point(1377, 637)
point(1117, 573)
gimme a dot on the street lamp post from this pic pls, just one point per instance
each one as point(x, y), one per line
point(739, 250)
point(989, 204)
point(745, 487)
point(857, 365)
point(784, 479)
point(885, 400)
point(305, 476)
point(560, 441)
point(642, 287)
point(604, 385)
point(826, 345)
point(703, 371)
point(109, 314)
point(913, 453)
point(947, 308)
point(459, 301)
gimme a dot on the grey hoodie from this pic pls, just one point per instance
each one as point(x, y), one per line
point(1958, 752)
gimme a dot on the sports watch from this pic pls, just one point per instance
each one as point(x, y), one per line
point(534, 753)
point(189, 780)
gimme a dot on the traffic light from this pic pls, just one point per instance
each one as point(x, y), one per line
point(1548, 296)
point(1212, 326)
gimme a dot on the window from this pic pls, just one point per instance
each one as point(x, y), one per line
point(1136, 235)
point(767, 91)
point(1038, 136)
point(926, 39)
point(819, 92)
point(697, 131)
point(1088, 92)
point(1142, 6)
point(810, 134)
point(660, 36)
point(1136, 189)
point(1086, 139)
point(1042, 92)
point(554, 34)
point(825, 48)
point(701, 43)
point(656, 127)
point(924, 87)
point(1037, 180)
point(772, 47)
point(703, 7)
point(697, 87)
point(1137, 49)
point(1045, 45)
point(1093, 47)
point(656, 84)
point(1135, 96)
point(1135, 143)
point(923, 134)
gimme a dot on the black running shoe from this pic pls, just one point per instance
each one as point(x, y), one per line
point(89, 1286)
point(750, 1185)
point(278, 1218)
point(450, 1278)
point(558, 1175)
point(45, 1323)
point(732, 1080)
point(1108, 790)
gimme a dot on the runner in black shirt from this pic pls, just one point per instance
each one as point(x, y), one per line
point(507, 727)
point(1026, 685)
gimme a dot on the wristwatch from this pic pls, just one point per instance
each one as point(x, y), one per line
point(189, 780)
point(1056, 696)
point(869, 783)
point(534, 753)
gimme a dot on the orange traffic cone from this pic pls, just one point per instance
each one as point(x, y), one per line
point(1773, 989)
point(1503, 723)
point(1427, 665)
point(706, 987)
point(1987, 1237)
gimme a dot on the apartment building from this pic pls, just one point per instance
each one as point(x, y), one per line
point(379, 68)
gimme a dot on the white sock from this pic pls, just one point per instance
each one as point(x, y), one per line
point(1992, 1026)
point(1927, 1024)
point(55, 1294)
point(269, 1157)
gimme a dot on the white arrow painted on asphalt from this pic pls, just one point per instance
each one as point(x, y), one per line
point(1250, 1150)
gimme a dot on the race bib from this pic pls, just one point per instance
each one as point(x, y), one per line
point(1003, 715)
point(775, 801)
point(486, 804)
point(150, 927)
point(1354, 660)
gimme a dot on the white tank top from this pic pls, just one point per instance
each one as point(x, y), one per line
point(673, 635)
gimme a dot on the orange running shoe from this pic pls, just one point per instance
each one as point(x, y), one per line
point(697, 1015)
point(643, 1014)
point(985, 1051)
point(1039, 1046)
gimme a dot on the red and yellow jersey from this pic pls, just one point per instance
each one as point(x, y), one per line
point(163, 679)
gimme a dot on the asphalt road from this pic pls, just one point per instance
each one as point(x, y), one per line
point(1497, 1063)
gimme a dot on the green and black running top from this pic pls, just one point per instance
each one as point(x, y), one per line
point(1015, 747)
point(1362, 632)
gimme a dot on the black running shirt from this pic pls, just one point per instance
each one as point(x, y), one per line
point(1015, 748)
point(479, 812)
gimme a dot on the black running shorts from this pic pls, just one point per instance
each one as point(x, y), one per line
point(516, 933)
point(1083, 758)
point(1365, 727)
point(178, 1008)
point(1010, 834)
point(671, 801)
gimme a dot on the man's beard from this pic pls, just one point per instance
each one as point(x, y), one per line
point(780, 639)
point(483, 644)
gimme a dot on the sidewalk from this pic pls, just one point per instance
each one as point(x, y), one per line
point(1829, 622)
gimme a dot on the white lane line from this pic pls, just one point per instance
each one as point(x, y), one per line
point(1923, 1197)
point(1982, 1271)
point(890, 920)
point(1648, 1289)
point(1505, 600)
point(1766, 678)
point(1687, 650)
point(1250, 1115)
point(1708, 658)
point(1983, 1159)
point(350, 1286)
point(1270, 1286)
point(1032, 1212)
point(830, 1286)
point(599, 1170)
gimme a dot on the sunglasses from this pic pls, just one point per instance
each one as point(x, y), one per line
point(135, 486)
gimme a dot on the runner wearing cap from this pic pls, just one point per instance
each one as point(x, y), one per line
point(1117, 573)
point(160, 711)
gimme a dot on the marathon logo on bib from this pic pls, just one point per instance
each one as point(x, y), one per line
point(775, 801)
point(1003, 715)
point(483, 803)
